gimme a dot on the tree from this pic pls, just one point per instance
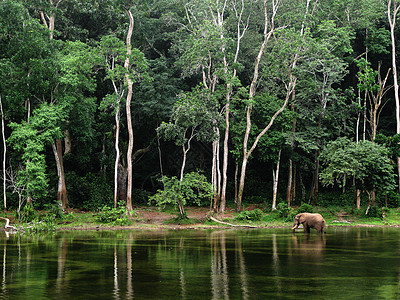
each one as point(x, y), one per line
point(374, 86)
point(367, 162)
point(112, 55)
point(289, 79)
point(192, 118)
point(211, 50)
point(392, 10)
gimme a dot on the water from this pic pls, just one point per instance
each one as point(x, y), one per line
point(346, 263)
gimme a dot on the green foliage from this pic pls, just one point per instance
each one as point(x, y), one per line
point(375, 212)
point(283, 209)
point(193, 189)
point(27, 214)
point(116, 216)
point(250, 215)
point(368, 162)
point(90, 192)
point(55, 210)
point(304, 207)
point(48, 224)
point(194, 115)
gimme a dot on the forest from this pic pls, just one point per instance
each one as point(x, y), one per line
point(210, 102)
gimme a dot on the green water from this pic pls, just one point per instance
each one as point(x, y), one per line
point(352, 263)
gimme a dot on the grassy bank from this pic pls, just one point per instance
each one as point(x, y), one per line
point(151, 217)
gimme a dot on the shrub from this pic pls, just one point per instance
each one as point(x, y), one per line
point(193, 189)
point(285, 212)
point(27, 214)
point(55, 210)
point(117, 216)
point(250, 215)
point(304, 207)
point(375, 212)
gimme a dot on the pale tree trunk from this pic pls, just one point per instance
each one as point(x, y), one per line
point(239, 35)
point(28, 108)
point(117, 155)
point(377, 102)
point(50, 20)
point(276, 180)
point(4, 155)
point(185, 150)
point(269, 29)
point(216, 175)
point(128, 114)
point(62, 190)
point(289, 189)
point(392, 16)
point(289, 185)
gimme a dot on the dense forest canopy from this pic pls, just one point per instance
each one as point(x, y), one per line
point(268, 100)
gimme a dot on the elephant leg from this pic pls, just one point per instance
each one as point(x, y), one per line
point(306, 228)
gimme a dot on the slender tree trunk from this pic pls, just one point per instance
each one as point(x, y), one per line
point(236, 182)
point(225, 155)
point(289, 185)
point(62, 189)
point(128, 113)
point(392, 16)
point(293, 193)
point(4, 155)
point(117, 156)
point(268, 31)
point(276, 180)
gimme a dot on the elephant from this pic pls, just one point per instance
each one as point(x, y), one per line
point(309, 221)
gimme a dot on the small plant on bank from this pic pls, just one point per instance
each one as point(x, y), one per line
point(375, 212)
point(304, 207)
point(250, 215)
point(27, 214)
point(193, 189)
point(116, 216)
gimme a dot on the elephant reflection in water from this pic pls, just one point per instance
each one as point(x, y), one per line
point(309, 246)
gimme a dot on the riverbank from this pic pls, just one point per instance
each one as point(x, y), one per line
point(145, 217)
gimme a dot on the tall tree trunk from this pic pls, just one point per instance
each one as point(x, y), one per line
point(4, 155)
point(216, 174)
point(276, 180)
point(289, 185)
point(225, 154)
point(128, 113)
point(57, 147)
point(62, 188)
point(269, 29)
point(117, 155)
point(392, 16)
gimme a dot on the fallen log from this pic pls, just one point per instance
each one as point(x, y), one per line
point(233, 225)
point(8, 227)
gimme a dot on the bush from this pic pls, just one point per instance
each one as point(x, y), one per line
point(375, 212)
point(304, 207)
point(285, 212)
point(90, 192)
point(194, 189)
point(55, 209)
point(250, 215)
point(116, 216)
point(27, 214)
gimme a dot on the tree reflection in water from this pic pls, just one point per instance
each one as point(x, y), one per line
point(215, 264)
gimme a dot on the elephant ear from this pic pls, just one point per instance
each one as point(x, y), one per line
point(301, 218)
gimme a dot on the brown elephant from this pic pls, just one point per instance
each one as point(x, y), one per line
point(309, 221)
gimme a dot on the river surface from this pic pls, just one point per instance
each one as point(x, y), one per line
point(346, 263)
